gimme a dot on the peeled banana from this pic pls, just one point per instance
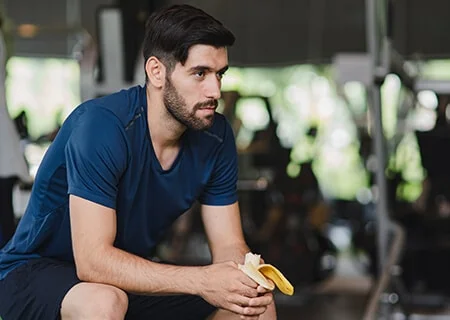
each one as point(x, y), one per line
point(265, 275)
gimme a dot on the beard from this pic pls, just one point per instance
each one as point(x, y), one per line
point(177, 107)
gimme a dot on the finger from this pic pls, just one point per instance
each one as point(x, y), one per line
point(262, 290)
point(261, 301)
point(243, 290)
point(254, 311)
point(235, 309)
point(248, 281)
point(246, 311)
point(232, 264)
point(240, 300)
point(248, 292)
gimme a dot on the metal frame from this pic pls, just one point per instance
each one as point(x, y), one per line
point(389, 271)
point(374, 40)
point(383, 60)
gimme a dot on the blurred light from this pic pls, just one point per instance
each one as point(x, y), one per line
point(52, 88)
point(293, 170)
point(302, 152)
point(447, 111)
point(325, 107)
point(340, 138)
point(333, 158)
point(232, 80)
point(244, 138)
point(392, 82)
point(253, 113)
point(328, 262)
point(289, 132)
point(355, 93)
point(364, 196)
point(297, 95)
point(262, 183)
point(424, 119)
point(427, 99)
point(34, 154)
point(27, 30)
point(320, 86)
point(267, 89)
point(340, 236)
point(220, 106)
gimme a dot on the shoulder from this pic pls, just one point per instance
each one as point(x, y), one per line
point(93, 123)
point(123, 105)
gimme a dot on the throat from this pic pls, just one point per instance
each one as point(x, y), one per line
point(167, 156)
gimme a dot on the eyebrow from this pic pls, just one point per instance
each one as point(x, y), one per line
point(206, 68)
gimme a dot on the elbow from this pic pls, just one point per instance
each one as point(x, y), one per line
point(84, 273)
point(87, 267)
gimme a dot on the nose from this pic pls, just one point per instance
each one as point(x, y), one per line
point(212, 88)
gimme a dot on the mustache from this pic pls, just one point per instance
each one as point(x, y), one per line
point(206, 104)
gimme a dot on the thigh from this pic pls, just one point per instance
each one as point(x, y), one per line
point(173, 307)
point(35, 290)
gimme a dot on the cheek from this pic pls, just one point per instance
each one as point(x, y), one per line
point(190, 91)
point(192, 95)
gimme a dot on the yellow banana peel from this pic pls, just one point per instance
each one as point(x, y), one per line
point(266, 275)
point(272, 273)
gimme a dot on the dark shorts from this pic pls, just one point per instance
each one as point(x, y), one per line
point(35, 291)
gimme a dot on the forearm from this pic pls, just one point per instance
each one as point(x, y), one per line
point(232, 252)
point(134, 274)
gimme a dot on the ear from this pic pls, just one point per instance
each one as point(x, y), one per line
point(156, 72)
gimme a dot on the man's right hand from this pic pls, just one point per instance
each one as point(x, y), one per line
point(225, 286)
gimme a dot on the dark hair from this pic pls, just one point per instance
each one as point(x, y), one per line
point(171, 32)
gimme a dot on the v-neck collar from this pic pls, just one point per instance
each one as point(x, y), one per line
point(155, 160)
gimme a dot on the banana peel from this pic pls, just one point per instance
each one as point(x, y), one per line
point(266, 275)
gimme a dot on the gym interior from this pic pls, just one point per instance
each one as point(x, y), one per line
point(340, 111)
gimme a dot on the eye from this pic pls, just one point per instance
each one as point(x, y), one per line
point(200, 74)
point(220, 75)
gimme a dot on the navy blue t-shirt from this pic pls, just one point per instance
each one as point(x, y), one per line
point(103, 153)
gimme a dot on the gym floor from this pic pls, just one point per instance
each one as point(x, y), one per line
point(341, 297)
point(325, 307)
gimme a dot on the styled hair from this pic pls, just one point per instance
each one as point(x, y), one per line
point(171, 32)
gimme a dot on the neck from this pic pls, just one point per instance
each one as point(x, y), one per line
point(164, 130)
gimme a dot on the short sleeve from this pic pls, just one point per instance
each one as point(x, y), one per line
point(221, 188)
point(96, 157)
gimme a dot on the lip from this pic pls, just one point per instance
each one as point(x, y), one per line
point(208, 109)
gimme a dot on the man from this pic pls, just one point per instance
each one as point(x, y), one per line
point(120, 171)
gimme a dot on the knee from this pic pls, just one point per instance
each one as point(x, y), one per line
point(111, 304)
point(94, 301)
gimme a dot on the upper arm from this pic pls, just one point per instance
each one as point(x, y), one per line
point(96, 157)
point(223, 228)
point(93, 227)
point(220, 209)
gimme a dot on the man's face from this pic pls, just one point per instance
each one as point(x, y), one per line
point(192, 91)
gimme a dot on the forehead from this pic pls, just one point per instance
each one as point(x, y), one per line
point(205, 55)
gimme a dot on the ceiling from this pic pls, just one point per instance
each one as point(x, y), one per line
point(268, 32)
